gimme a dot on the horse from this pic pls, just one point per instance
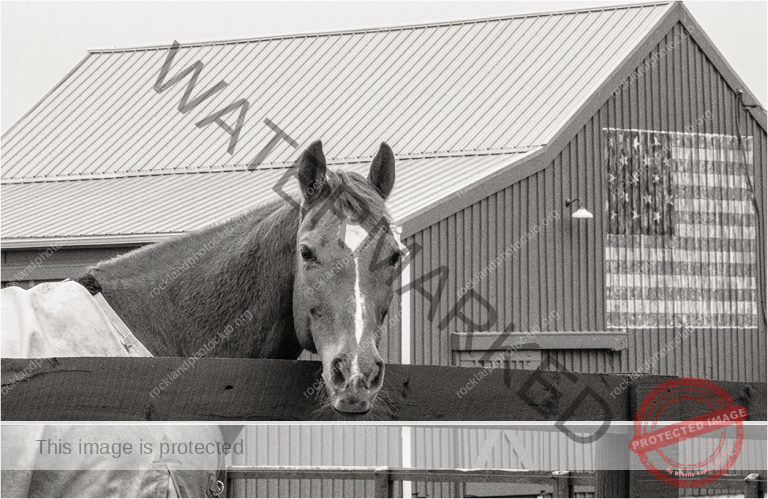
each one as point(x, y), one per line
point(317, 278)
point(266, 284)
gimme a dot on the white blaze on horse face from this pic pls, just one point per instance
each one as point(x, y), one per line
point(359, 307)
point(354, 235)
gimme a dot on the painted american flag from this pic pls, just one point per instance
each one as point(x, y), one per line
point(681, 246)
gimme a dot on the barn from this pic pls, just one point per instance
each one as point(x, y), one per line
point(586, 186)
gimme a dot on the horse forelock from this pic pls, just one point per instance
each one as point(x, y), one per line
point(356, 197)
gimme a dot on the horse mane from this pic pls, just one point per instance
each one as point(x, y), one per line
point(179, 294)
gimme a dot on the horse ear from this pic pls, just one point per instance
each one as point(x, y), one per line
point(382, 174)
point(312, 171)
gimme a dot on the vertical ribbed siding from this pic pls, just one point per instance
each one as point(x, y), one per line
point(555, 270)
point(562, 268)
point(434, 448)
point(584, 361)
point(285, 445)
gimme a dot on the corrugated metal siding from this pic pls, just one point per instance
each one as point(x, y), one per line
point(562, 269)
point(22, 266)
point(586, 361)
point(516, 80)
point(537, 279)
point(313, 445)
point(181, 203)
point(434, 448)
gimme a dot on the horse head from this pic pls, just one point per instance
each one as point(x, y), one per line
point(346, 256)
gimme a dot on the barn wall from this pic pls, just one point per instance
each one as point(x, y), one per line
point(561, 268)
point(30, 266)
point(315, 445)
point(431, 447)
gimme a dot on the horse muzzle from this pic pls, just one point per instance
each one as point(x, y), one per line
point(356, 397)
point(354, 382)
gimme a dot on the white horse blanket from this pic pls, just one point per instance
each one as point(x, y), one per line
point(63, 319)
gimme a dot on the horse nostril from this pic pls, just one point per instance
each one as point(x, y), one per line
point(378, 375)
point(337, 375)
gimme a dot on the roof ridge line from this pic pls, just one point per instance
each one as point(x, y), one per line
point(281, 165)
point(438, 24)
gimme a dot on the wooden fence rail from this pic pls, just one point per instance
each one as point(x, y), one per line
point(384, 478)
point(163, 389)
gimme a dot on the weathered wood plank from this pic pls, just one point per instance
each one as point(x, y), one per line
point(85, 389)
point(751, 395)
point(115, 389)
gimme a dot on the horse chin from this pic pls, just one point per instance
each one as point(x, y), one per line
point(344, 405)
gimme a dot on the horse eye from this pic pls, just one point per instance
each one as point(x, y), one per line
point(394, 259)
point(306, 253)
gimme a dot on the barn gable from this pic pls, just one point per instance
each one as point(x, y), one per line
point(552, 294)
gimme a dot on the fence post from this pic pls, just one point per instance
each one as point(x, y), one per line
point(382, 484)
point(752, 485)
point(227, 483)
point(612, 465)
point(642, 483)
point(561, 484)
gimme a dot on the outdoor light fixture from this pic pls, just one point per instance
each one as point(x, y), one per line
point(582, 212)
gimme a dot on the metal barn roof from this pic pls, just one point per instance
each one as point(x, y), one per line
point(104, 154)
point(140, 206)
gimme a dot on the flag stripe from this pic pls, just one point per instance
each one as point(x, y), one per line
point(735, 207)
point(674, 282)
point(681, 268)
point(715, 158)
point(693, 306)
point(675, 242)
point(652, 291)
point(629, 320)
point(639, 256)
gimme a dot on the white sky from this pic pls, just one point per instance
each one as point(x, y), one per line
point(42, 41)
